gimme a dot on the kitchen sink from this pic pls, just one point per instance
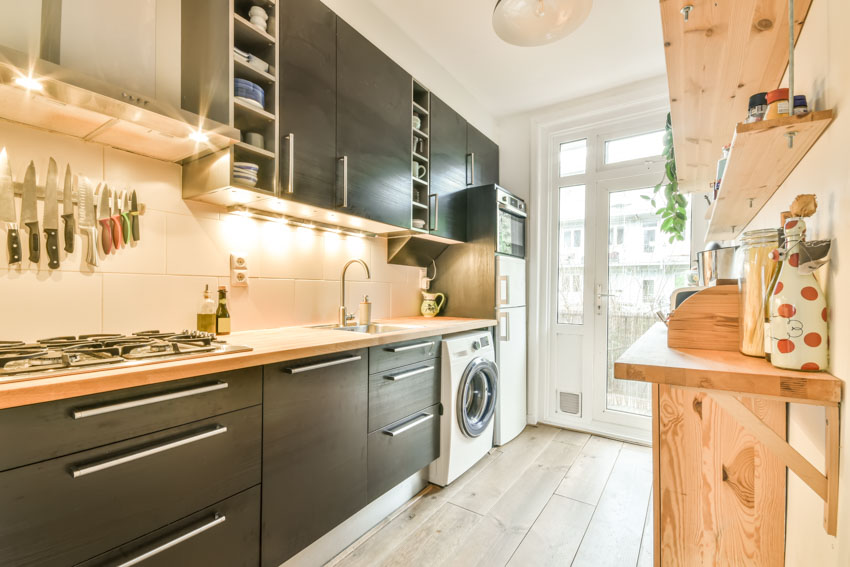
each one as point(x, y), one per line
point(371, 329)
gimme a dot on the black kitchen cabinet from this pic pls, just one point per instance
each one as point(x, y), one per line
point(307, 110)
point(448, 171)
point(372, 131)
point(483, 167)
point(314, 449)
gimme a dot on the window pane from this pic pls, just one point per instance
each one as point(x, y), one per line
point(573, 158)
point(571, 256)
point(634, 147)
point(643, 270)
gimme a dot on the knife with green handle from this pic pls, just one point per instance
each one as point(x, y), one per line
point(29, 214)
point(134, 216)
point(68, 209)
point(7, 210)
point(50, 218)
point(126, 220)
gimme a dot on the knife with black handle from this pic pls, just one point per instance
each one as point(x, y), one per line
point(13, 244)
point(50, 217)
point(7, 209)
point(29, 214)
point(68, 210)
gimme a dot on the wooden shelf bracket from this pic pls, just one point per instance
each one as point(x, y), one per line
point(825, 486)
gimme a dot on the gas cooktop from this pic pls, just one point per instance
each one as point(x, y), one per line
point(60, 355)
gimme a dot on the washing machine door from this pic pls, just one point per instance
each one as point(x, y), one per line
point(476, 399)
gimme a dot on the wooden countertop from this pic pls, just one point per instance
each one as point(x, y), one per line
point(269, 346)
point(649, 359)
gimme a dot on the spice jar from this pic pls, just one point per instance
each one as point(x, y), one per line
point(800, 104)
point(757, 108)
point(777, 104)
point(757, 269)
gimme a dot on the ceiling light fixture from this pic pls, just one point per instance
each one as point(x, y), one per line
point(29, 83)
point(529, 23)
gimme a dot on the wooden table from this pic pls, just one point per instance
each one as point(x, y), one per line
point(720, 450)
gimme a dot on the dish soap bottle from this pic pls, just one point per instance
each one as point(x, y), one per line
point(222, 315)
point(206, 313)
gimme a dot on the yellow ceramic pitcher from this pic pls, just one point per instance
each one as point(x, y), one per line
point(430, 306)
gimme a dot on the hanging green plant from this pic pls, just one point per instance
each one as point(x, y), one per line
point(674, 212)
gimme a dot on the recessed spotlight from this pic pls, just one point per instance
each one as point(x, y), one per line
point(199, 137)
point(29, 83)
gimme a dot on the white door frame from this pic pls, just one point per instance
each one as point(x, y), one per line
point(623, 117)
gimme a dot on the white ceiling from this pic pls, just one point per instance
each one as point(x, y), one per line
point(620, 43)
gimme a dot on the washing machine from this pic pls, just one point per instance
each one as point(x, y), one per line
point(470, 383)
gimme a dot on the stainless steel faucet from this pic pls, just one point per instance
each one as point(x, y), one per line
point(344, 317)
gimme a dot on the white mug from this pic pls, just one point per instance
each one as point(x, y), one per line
point(418, 170)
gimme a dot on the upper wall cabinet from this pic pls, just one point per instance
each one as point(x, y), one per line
point(448, 171)
point(308, 102)
point(483, 167)
point(373, 131)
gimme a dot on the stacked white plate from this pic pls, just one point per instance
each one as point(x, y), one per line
point(245, 173)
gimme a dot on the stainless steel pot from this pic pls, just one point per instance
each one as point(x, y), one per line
point(718, 266)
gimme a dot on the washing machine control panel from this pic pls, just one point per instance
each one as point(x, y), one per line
point(485, 341)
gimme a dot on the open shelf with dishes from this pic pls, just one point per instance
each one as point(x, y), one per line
point(237, 56)
point(420, 152)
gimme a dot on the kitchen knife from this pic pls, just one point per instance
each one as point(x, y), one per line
point(85, 198)
point(134, 215)
point(126, 221)
point(68, 209)
point(117, 236)
point(51, 215)
point(29, 214)
point(7, 209)
point(104, 217)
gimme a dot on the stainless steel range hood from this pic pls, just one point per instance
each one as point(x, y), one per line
point(45, 95)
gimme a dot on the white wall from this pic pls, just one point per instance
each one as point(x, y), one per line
point(822, 73)
point(380, 30)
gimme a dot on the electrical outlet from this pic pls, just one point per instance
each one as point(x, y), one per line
point(238, 278)
point(238, 261)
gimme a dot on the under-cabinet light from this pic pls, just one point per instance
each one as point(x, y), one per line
point(29, 83)
point(244, 211)
point(199, 137)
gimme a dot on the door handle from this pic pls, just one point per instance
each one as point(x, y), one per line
point(344, 160)
point(175, 541)
point(409, 373)
point(506, 298)
point(309, 367)
point(77, 472)
point(506, 326)
point(599, 296)
point(411, 347)
point(470, 168)
point(409, 425)
point(290, 186)
point(436, 211)
point(138, 402)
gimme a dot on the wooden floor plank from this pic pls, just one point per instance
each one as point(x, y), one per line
point(587, 477)
point(497, 479)
point(572, 437)
point(614, 535)
point(495, 539)
point(382, 544)
point(435, 541)
point(556, 534)
point(647, 542)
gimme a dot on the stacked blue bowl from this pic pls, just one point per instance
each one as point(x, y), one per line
point(249, 91)
point(245, 172)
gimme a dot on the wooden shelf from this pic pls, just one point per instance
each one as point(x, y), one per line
point(724, 53)
point(419, 205)
point(420, 157)
point(243, 70)
point(759, 162)
point(247, 35)
point(420, 181)
point(254, 150)
point(253, 110)
point(420, 133)
point(419, 108)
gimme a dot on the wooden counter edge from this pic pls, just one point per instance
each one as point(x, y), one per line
point(40, 390)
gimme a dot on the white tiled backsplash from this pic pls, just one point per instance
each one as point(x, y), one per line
point(158, 282)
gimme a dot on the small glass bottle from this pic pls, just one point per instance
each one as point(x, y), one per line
point(222, 315)
point(206, 313)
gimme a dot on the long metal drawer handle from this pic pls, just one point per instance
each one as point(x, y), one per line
point(176, 541)
point(409, 373)
point(409, 425)
point(109, 408)
point(290, 187)
point(411, 347)
point(309, 367)
point(77, 472)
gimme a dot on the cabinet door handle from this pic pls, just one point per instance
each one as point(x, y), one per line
point(506, 298)
point(309, 367)
point(187, 535)
point(506, 326)
point(139, 402)
point(290, 186)
point(77, 472)
point(410, 347)
point(409, 425)
point(344, 160)
point(471, 168)
point(409, 373)
point(436, 211)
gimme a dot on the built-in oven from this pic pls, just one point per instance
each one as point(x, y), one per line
point(510, 237)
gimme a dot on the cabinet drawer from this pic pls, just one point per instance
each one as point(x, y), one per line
point(396, 355)
point(226, 534)
point(29, 434)
point(399, 392)
point(66, 510)
point(399, 450)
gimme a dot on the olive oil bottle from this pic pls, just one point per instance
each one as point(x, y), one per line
point(222, 315)
point(206, 313)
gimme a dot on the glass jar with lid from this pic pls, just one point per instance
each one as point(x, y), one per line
point(756, 271)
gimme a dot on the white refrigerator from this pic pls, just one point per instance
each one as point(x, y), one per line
point(511, 407)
